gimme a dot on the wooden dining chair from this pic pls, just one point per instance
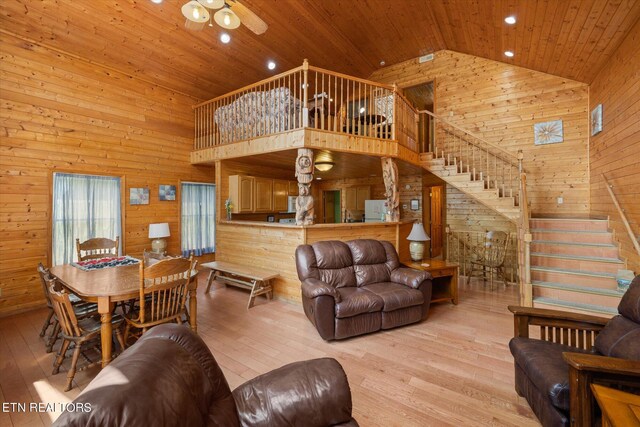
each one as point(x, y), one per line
point(81, 308)
point(164, 287)
point(491, 256)
point(80, 331)
point(97, 248)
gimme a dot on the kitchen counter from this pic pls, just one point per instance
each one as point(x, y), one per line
point(331, 225)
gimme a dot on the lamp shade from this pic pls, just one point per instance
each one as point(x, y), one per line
point(226, 18)
point(159, 231)
point(417, 233)
point(324, 166)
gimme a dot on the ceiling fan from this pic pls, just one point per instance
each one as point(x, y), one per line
point(229, 16)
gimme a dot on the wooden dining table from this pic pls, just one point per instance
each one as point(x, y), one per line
point(106, 287)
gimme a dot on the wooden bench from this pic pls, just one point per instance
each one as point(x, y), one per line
point(258, 280)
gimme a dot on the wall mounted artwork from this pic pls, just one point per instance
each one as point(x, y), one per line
point(138, 196)
point(167, 192)
point(596, 120)
point(547, 132)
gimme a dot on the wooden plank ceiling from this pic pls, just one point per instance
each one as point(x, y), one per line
point(568, 38)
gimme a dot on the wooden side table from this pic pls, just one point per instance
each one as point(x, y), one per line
point(445, 278)
point(618, 407)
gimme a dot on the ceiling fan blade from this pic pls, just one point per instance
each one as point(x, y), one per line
point(248, 18)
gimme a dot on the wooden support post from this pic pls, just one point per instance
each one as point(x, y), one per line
point(304, 173)
point(305, 93)
point(390, 176)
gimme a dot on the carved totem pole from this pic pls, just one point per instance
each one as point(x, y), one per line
point(390, 176)
point(304, 173)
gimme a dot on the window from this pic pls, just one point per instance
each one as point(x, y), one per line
point(198, 218)
point(84, 207)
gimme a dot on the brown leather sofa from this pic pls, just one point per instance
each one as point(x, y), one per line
point(555, 373)
point(170, 378)
point(356, 287)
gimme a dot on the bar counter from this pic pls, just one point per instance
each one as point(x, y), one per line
point(272, 245)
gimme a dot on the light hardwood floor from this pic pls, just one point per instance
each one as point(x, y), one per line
point(453, 369)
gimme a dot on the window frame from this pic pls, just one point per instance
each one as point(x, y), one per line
point(215, 216)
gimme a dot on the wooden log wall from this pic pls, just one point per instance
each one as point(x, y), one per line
point(62, 113)
point(501, 103)
point(615, 151)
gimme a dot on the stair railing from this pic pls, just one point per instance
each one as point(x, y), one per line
point(524, 243)
point(498, 169)
point(622, 214)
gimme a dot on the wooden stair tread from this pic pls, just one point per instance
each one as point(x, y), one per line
point(558, 242)
point(576, 272)
point(578, 257)
point(577, 288)
point(548, 230)
point(575, 305)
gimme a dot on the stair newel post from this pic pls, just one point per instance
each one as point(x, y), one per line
point(305, 93)
point(395, 112)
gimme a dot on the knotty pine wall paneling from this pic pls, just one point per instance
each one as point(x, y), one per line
point(615, 152)
point(62, 113)
point(501, 103)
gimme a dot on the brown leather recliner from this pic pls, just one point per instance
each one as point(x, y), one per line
point(554, 373)
point(170, 378)
point(356, 287)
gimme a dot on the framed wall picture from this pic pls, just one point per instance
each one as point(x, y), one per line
point(415, 204)
point(167, 192)
point(596, 120)
point(138, 196)
point(547, 132)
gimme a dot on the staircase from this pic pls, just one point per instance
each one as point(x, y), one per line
point(573, 266)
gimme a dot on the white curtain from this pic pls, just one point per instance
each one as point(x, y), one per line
point(84, 207)
point(198, 218)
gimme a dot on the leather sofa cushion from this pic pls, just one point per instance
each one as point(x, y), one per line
point(334, 263)
point(544, 366)
point(395, 296)
point(619, 338)
point(369, 261)
point(338, 278)
point(629, 305)
point(356, 301)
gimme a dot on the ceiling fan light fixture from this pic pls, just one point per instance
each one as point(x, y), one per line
point(212, 4)
point(226, 18)
point(324, 166)
point(195, 12)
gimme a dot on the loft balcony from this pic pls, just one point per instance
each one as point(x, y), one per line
point(307, 107)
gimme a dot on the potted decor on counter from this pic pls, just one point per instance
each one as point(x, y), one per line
point(228, 206)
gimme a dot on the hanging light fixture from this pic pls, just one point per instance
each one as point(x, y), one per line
point(324, 166)
point(212, 4)
point(195, 12)
point(226, 18)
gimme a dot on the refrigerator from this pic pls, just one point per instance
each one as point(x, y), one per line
point(374, 210)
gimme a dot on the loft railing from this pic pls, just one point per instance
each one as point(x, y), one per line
point(307, 97)
point(464, 246)
point(484, 161)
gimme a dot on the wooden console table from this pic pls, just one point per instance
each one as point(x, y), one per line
point(618, 407)
point(445, 278)
point(258, 280)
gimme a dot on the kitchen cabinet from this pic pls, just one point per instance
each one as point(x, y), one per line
point(241, 193)
point(293, 188)
point(263, 195)
point(280, 195)
point(355, 197)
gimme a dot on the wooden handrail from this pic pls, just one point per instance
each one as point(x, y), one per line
point(251, 86)
point(352, 78)
point(510, 158)
point(634, 241)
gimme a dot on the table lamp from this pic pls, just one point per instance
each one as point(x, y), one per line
point(158, 232)
point(417, 237)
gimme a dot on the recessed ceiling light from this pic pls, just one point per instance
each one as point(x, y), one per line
point(382, 63)
point(508, 53)
point(510, 20)
point(318, 178)
point(225, 38)
point(271, 65)
point(156, 1)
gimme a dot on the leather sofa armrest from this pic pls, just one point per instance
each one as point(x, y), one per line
point(409, 277)
point(312, 288)
point(587, 369)
point(311, 393)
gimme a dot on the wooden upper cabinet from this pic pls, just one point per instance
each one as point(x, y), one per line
point(263, 195)
point(241, 193)
point(280, 195)
point(355, 197)
point(362, 193)
point(293, 188)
